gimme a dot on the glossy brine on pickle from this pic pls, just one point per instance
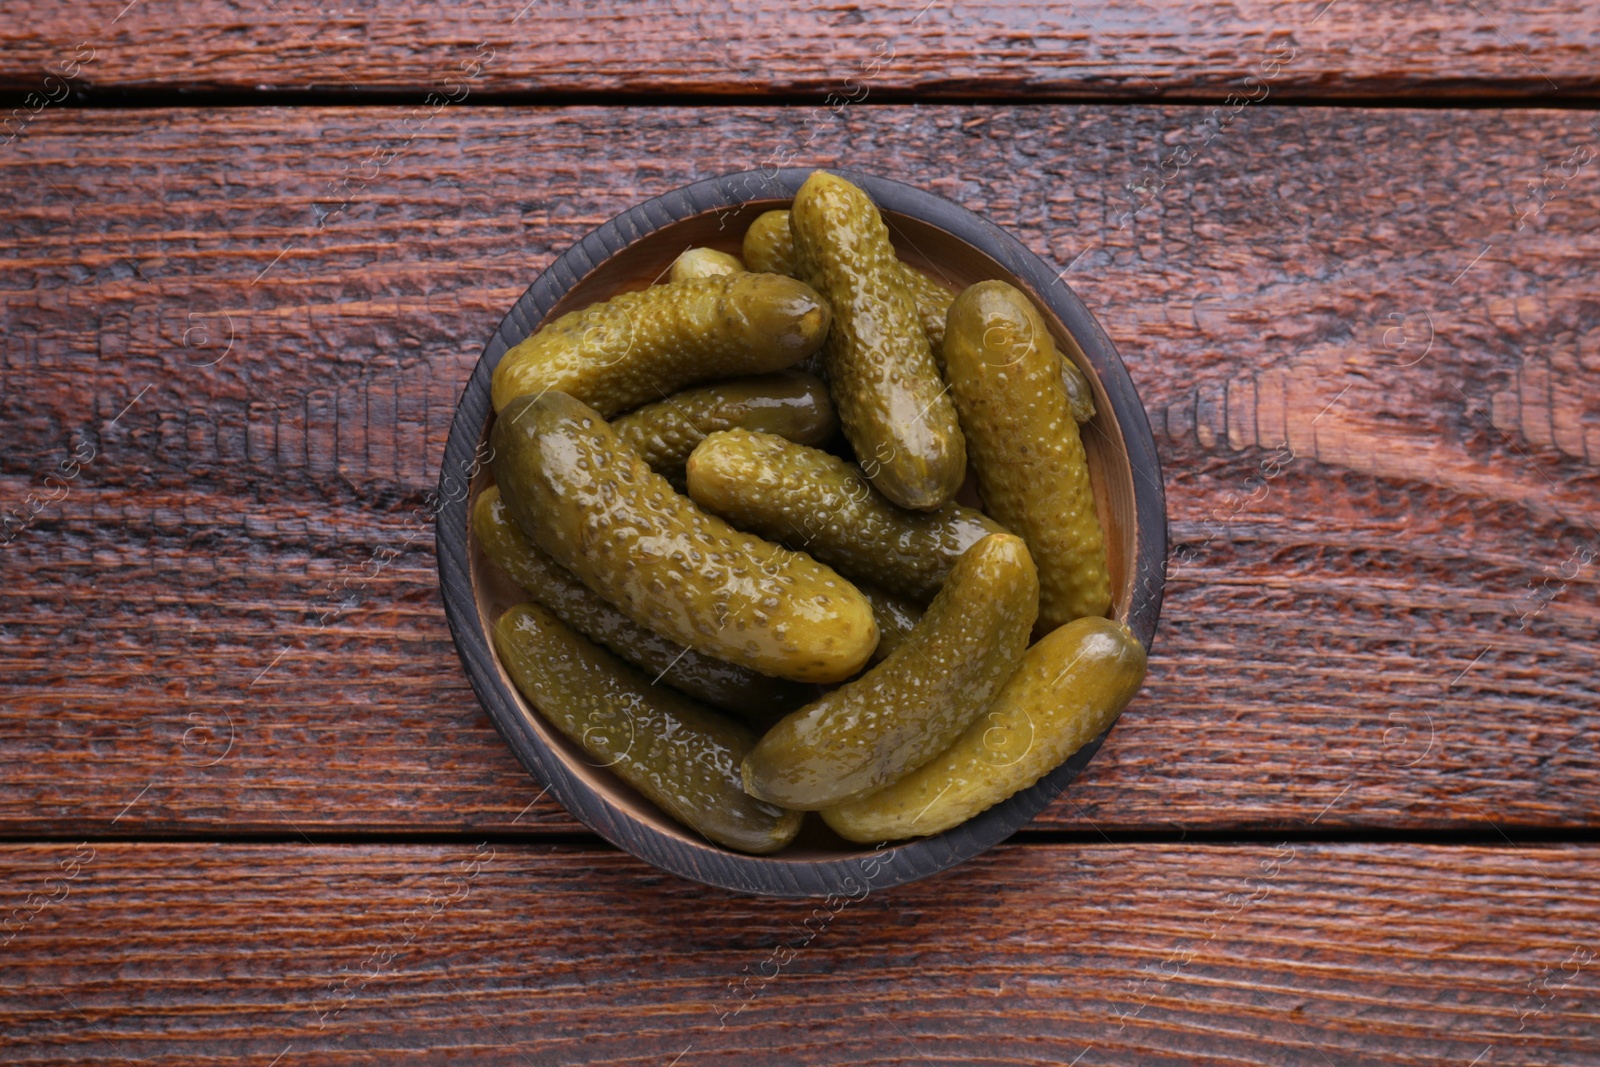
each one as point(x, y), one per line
point(682, 757)
point(639, 347)
point(1005, 375)
point(753, 697)
point(892, 404)
point(594, 505)
point(880, 727)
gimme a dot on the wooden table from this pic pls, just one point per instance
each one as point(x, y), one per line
point(251, 812)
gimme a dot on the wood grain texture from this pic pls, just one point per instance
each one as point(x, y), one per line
point(1362, 50)
point(1396, 627)
point(1288, 954)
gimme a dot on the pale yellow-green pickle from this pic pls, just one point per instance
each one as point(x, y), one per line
point(639, 347)
point(872, 731)
point(1067, 689)
point(593, 504)
point(1005, 374)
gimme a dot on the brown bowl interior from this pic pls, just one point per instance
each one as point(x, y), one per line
point(919, 244)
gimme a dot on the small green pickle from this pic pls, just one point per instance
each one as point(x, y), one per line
point(639, 347)
point(815, 502)
point(1033, 476)
point(893, 407)
point(588, 500)
point(790, 404)
point(703, 263)
point(754, 698)
point(769, 246)
point(1067, 689)
point(682, 757)
point(872, 731)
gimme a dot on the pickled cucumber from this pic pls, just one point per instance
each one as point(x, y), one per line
point(1068, 688)
point(768, 244)
point(816, 503)
point(679, 755)
point(896, 618)
point(871, 732)
point(892, 404)
point(755, 698)
point(1080, 396)
point(589, 501)
point(933, 305)
point(639, 347)
point(789, 404)
point(704, 263)
point(1005, 374)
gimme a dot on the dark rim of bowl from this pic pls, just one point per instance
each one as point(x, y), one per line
point(701, 860)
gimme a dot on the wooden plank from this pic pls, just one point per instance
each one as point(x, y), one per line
point(827, 54)
point(1271, 954)
point(1382, 606)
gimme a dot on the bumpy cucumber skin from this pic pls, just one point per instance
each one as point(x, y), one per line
point(639, 347)
point(896, 617)
point(869, 733)
point(703, 263)
point(933, 304)
point(1080, 396)
point(755, 698)
point(792, 405)
point(892, 404)
point(1068, 688)
point(768, 244)
point(679, 755)
point(1005, 374)
point(589, 501)
point(816, 503)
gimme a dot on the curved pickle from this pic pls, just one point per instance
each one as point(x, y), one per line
point(755, 698)
point(641, 346)
point(703, 263)
point(1005, 375)
point(815, 502)
point(892, 404)
point(792, 405)
point(769, 246)
point(680, 756)
point(1068, 688)
point(589, 501)
point(871, 732)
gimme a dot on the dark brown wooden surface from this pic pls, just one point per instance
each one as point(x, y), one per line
point(1344, 50)
point(1350, 819)
point(1096, 955)
point(1350, 642)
